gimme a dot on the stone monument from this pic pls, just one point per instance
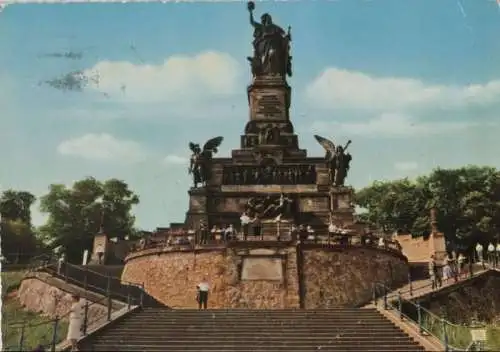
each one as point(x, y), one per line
point(269, 176)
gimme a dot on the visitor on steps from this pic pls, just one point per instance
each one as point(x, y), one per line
point(76, 316)
point(479, 253)
point(497, 255)
point(434, 273)
point(461, 265)
point(245, 222)
point(203, 233)
point(100, 254)
point(447, 272)
point(491, 254)
point(213, 233)
point(203, 288)
point(257, 228)
point(60, 263)
point(332, 229)
point(293, 233)
point(311, 235)
point(223, 233)
point(229, 232)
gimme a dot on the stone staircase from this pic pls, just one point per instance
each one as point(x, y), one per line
point(342, 329)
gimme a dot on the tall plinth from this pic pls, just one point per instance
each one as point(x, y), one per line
point(270, 163)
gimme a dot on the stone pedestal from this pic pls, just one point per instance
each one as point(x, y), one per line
point(198, 207)
point(100, 246)
point(341, 206)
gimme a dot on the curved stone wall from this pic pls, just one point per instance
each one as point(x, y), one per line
point(265, 276)
point(344, 276)
point(239, 277)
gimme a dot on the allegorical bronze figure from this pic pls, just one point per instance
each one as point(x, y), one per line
point(271, 47)
point(337, 159)
point(200, 163)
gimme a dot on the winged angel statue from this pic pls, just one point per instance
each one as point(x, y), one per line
point(200, 161)
point(337, 160)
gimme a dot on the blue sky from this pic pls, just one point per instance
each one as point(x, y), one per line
point(414, 84)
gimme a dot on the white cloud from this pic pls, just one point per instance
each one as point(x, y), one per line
point(406, 166)
point(178, 78)
point(175, 160)
point(390, 125)
point(337, 88)
point(102, 146)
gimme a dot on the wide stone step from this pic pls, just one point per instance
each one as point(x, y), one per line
point(189, 335)
point(239, 348)
point(225, 321)
point(261, 311)
point(246, 317)
point(257, 329)
point(210, 340)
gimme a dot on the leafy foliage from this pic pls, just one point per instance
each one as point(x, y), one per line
point(18, 237)
point(467, 201)
point(77, 214)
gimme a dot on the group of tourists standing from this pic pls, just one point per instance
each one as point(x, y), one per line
point(454, 268)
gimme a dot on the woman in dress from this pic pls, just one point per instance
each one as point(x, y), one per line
point(447, 272)
point(75, 322)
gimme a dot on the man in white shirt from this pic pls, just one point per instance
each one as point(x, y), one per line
point(245, 222)
point(203, 288)
point(332, 229)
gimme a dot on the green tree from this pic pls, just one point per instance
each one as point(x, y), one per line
point(467, 201)
point(394, 206)
point(18, 238)
point(78, 213)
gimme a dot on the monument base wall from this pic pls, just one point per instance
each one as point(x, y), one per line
point(264, 275)
point(344, 277)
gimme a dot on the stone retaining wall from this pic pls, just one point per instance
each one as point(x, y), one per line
point(345, 276)
point(265, 278)
point(38, 296)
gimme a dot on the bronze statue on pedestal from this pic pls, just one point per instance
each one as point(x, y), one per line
point(200, 162)
point(271, 47)
point(338, 161)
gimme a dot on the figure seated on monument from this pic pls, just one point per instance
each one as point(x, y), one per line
point(311, 234)
point(245, 223)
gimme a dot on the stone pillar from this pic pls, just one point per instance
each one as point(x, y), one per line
point(437, 244)
point(100, 246)
point(198, 208)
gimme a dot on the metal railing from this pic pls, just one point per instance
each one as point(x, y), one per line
point(55, 329)
point(411, 290)
point(91, 282)
point(96, 282)
point(453, 337)
point(191, 240)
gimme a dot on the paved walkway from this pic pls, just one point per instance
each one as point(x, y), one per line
point(419, 288)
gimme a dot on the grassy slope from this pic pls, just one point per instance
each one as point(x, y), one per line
point(39, 329)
